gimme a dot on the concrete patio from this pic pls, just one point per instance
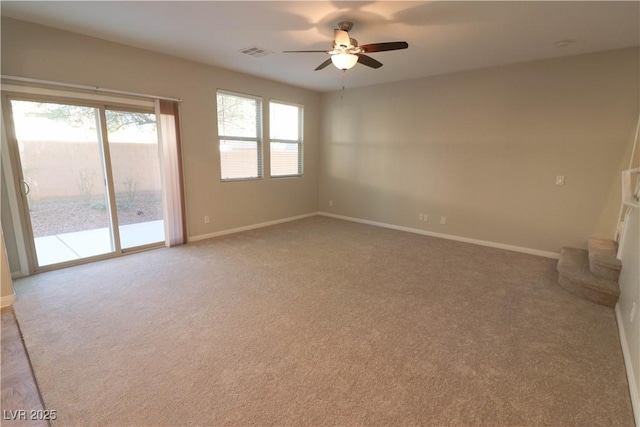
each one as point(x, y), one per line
point(82, 244)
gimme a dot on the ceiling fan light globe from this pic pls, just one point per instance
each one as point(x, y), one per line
point(344, 61)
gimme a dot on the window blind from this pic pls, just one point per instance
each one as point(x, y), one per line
point(240, 136)
point(285, 143)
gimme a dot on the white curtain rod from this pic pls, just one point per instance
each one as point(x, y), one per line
point(95, 88)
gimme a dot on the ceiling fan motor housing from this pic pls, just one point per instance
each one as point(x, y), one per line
point(345, 25)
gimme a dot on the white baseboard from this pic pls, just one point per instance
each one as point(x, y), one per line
point(447, 236)
point(7, 301)
point(249, 227)
point(530, 251)
point(634, 392)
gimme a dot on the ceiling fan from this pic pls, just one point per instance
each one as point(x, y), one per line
point(345, 52)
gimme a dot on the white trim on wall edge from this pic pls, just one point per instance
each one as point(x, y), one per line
point(529, 251)
point(634, 392)
point(447, 236)
point(7, 301)
point(249, 227)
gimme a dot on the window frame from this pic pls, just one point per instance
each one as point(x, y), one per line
point(299, 141)
point(258, 139)
point(101, 103)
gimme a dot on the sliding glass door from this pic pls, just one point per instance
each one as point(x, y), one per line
point(90, 179)
point(135, 163)
point(63, 180)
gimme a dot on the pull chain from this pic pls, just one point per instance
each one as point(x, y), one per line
point(342, 94)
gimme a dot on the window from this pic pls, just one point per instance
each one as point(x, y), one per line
point(286, 139)
point(239, 131)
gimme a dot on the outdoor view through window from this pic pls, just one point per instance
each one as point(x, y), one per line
point(240, 137)
point(64, 172)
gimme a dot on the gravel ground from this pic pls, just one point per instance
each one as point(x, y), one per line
point(49, 217)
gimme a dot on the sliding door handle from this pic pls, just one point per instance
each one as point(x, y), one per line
point(25, 189)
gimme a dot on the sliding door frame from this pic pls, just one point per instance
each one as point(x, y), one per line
point(27, 243)
point(111, 192)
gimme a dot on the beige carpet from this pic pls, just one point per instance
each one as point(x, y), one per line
point(322, 322)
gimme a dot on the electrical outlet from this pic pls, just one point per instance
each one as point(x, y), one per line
point(443, 220)
point(420, 216)
point(330, 202)
point(425, 218)
point(206, 219)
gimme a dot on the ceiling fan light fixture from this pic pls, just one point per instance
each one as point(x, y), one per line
point(344, 61)
point(345, 52)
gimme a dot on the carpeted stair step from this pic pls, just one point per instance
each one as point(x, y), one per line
point(575, 277)
point(603, 261)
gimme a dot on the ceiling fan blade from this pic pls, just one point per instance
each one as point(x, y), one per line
point(369, 61)
point(303, 51)
point(382, 47)
point(323, 65)
point(341, 38)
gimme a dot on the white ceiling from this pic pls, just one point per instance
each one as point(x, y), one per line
point(443, 36)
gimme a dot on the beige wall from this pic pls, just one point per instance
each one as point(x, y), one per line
point(34, 51)
point(483, 148)
point(7, 225)
point(629, 302)
point(6, 284)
